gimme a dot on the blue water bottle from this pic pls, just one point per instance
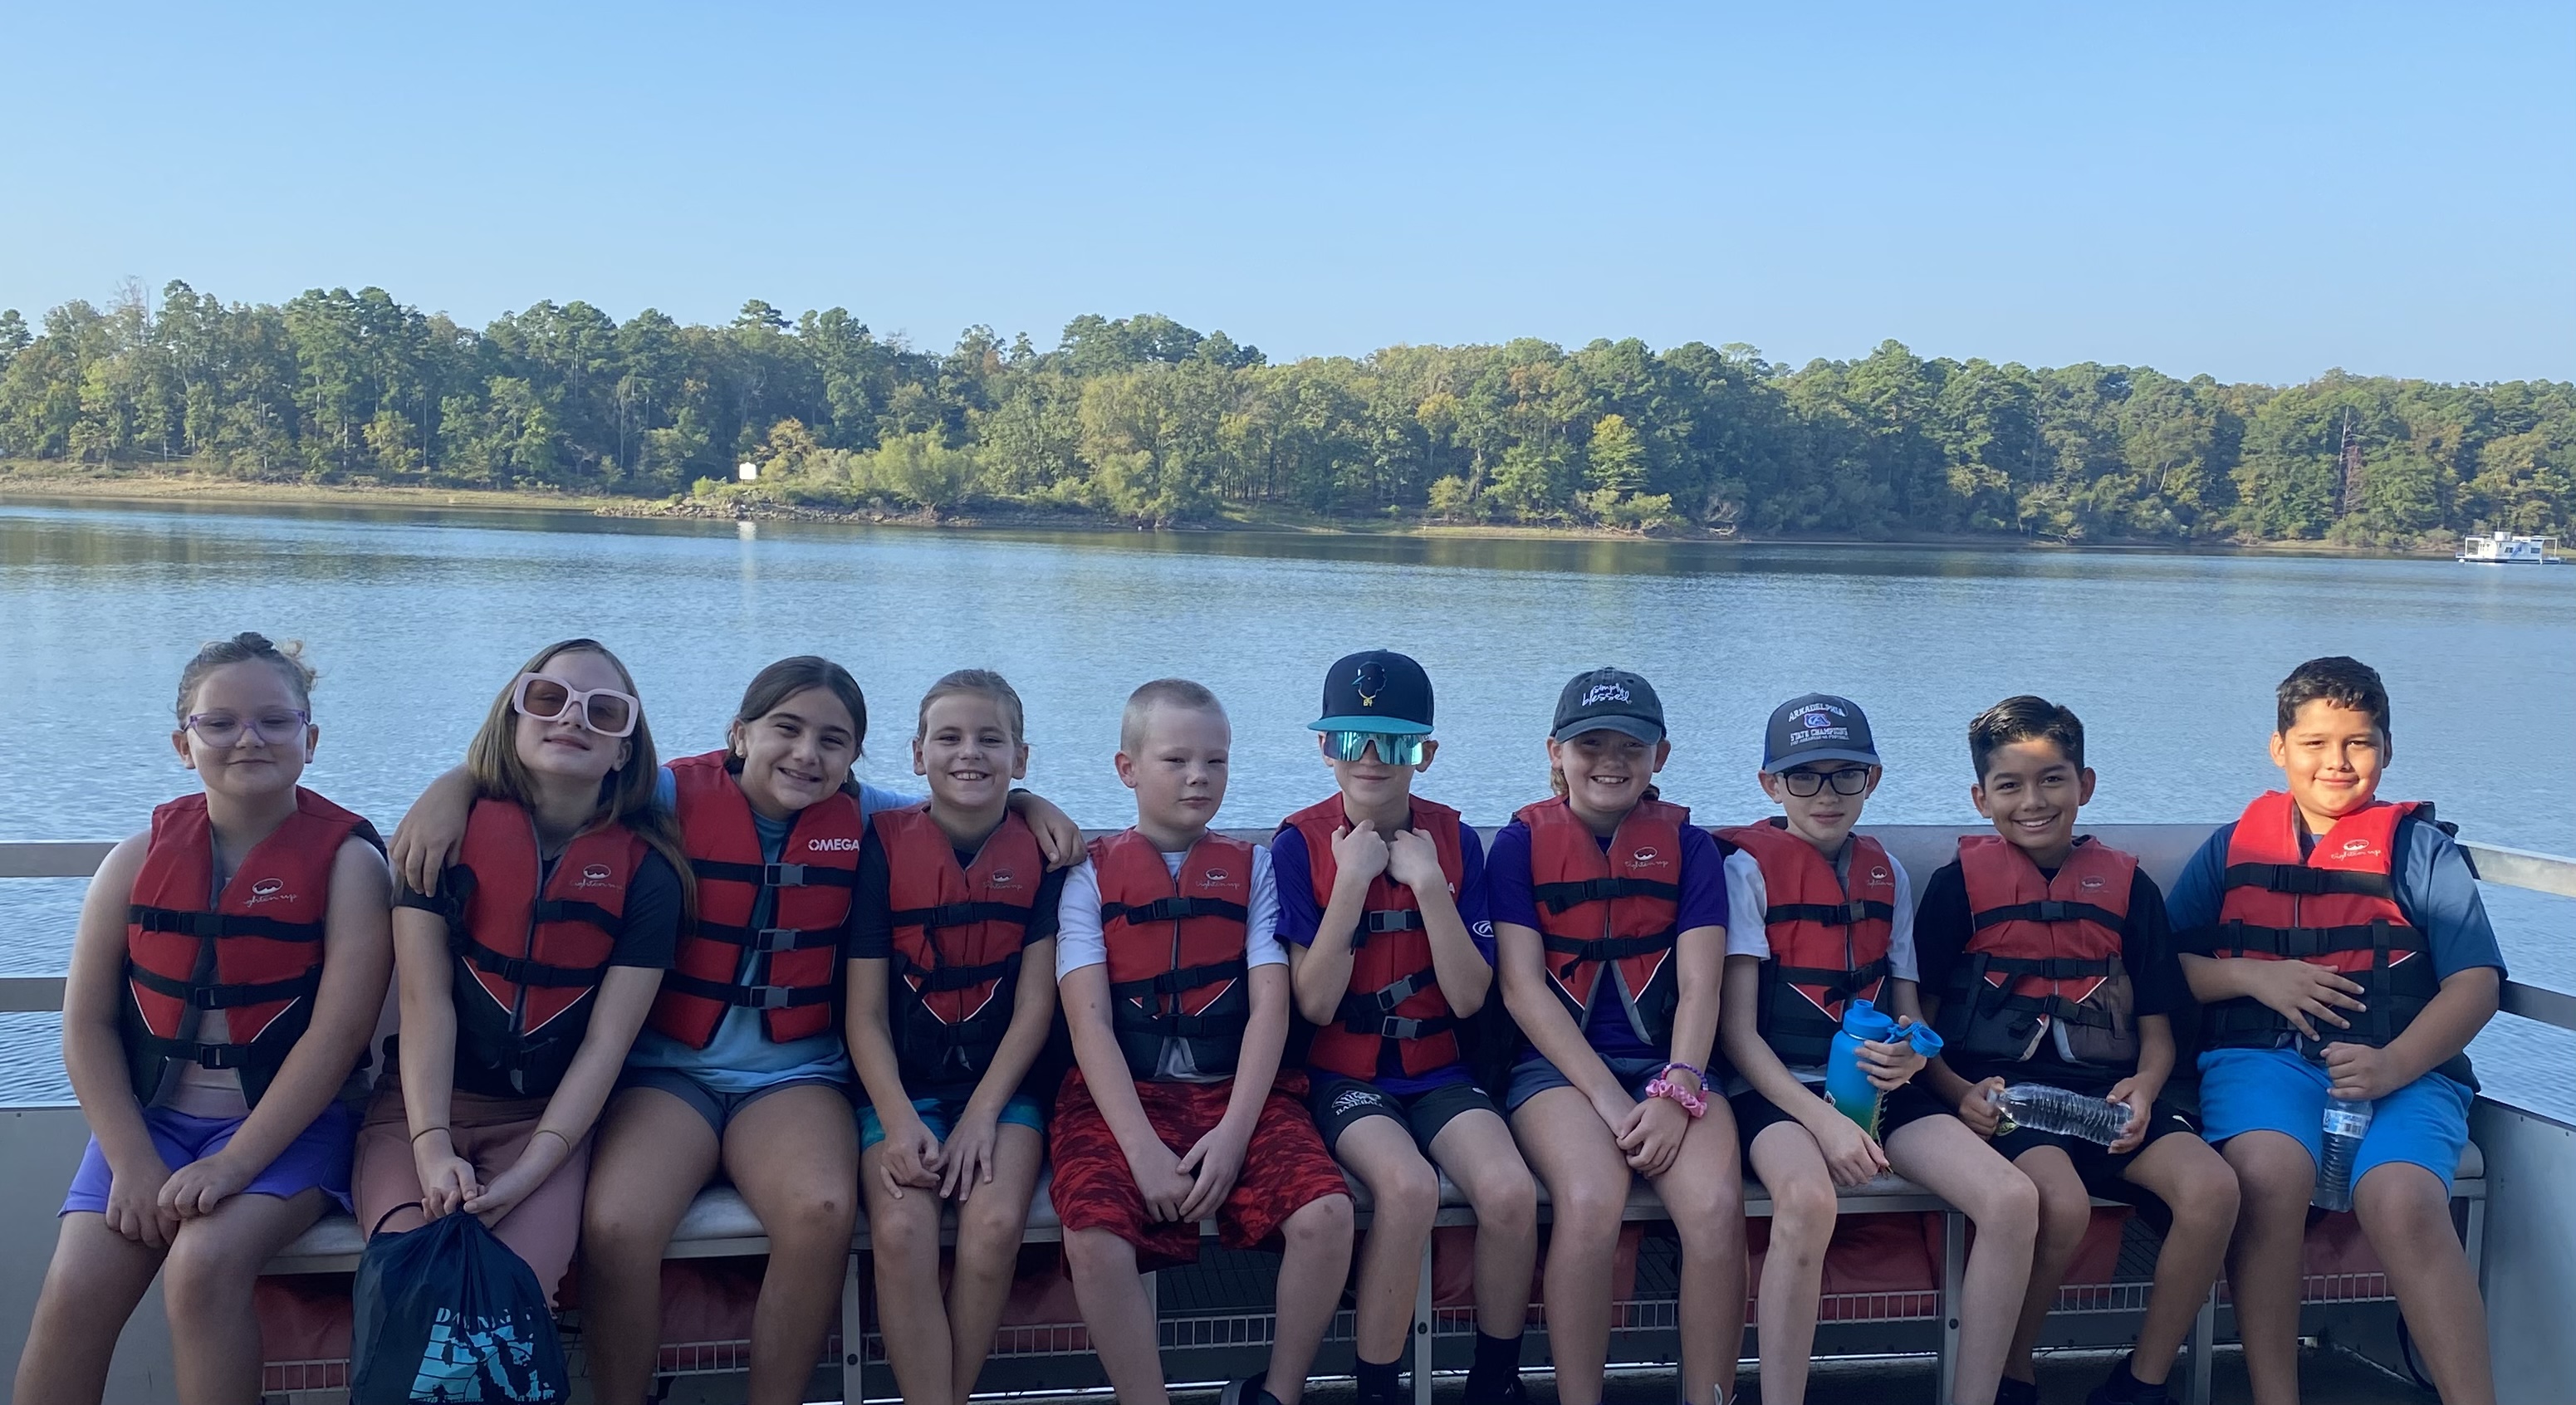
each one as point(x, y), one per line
point(1846, 1077)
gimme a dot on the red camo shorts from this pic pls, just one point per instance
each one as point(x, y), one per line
point(1285, 1168)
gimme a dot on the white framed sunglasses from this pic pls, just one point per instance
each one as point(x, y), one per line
point(603, 710)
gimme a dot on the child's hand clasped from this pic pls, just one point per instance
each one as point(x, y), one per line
point(1359, 855)
point(968, 1155)
point(1414, 861)
point(2306, 995)
point(1891, 1065)
point(2140, 1098)
point(1652, 1138)
point(2360, 1072)
point(912, 1158)
point(1852, 1156)
point(198, 1187)
point(1977, 1108)
point(1161, 1181)
point(134, 1207)
point(1214, 1162)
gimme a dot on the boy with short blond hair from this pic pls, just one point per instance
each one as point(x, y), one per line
point(2346, 961)
point(1176, 992)
point(1382, 908)
point(2053, 963)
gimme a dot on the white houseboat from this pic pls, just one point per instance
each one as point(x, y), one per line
point(2507, 549)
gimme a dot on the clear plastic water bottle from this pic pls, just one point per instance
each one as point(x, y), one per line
point(2060, 1112)
point(2346, 1125)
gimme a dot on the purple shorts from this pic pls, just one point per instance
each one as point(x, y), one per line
point(317, 1158)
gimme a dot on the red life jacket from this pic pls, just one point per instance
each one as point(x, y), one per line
point(254, 951)
point(958, 933)
point(1394, 1018)
point(2043, 952)
point(1613, 911)
point(795, 973)
point(1828, 939)
point(528, 958)
point(1176, 948)
point(2334, 906)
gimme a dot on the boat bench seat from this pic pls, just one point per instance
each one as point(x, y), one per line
point(719, 1225)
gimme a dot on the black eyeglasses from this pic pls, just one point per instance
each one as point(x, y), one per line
point(1850, 780)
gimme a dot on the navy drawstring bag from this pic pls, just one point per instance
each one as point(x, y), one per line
point(447, 1313)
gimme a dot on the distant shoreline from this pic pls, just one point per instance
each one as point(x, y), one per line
point(131, 487)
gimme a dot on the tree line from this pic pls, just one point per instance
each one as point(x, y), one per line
point(1146, 420)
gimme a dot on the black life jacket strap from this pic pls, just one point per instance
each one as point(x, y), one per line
point(519, 970)
point(2052, 968)
point(944, 978)
point(774, 875)
point(224, 997)
point(2238, 937)
point(575, 910)
point(1367, 1008)
point(750, 997)
point(2299, 880)
point(1172, 909)
point(1558, 897)
point(1850, 914)
point(1837, 984)
point(210, 926)
point(215, 1057)
point(1175, 982)
point(770, 939)
point(964, 914)
point(1607, 949)
point(2047, 910)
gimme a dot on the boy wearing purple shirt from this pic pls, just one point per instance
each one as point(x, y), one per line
point(1382, 910)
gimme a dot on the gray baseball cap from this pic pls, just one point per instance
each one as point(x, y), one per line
point(1817, 727)
point(1609, 699)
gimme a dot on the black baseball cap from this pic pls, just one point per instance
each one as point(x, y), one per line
point(1817, 727)
point(1376, 691)
point(1609, 699)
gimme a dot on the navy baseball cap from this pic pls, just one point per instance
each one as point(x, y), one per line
point(1609, 699)
point(1817, 727)
point(1376, 691)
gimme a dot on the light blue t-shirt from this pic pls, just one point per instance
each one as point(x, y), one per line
point(741, 1057)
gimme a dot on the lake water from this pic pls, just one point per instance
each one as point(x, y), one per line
point(416, 621)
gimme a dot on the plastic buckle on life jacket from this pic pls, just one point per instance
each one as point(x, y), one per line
point(219, 1057)
point(2299, 880)
point(2299, 943)
point(766, 997)
point(782, 875)
point(775, 939)
point(1392, 920)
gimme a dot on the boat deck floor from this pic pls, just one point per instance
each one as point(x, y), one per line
point(2064, 1379)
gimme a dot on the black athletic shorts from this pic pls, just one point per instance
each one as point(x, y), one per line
point(2104, 1173)
point(1753, 1112)
point(1339, 1102)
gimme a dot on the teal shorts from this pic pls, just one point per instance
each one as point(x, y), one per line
point(941, 1114)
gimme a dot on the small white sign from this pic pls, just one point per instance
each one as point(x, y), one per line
point(747, 472)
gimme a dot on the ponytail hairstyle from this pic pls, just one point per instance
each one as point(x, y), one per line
point(242, 648)
point(626, 794)
point(773, 686)
point(980, 683)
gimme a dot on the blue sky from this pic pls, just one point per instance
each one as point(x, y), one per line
point(2258, 192)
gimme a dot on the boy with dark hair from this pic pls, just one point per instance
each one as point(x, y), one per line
point(1176, 992)
point(1382, 908)
point(2346, 961)
point(2053, 964)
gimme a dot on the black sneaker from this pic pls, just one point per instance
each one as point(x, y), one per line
point(2121, 1388)
point(1247, 1391)
point(1512, 1392)
point(2012, 1392)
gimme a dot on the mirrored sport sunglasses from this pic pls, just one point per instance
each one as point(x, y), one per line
point(223, 729)
point(1850, 780)
point(1393, 748)
point(603, 710)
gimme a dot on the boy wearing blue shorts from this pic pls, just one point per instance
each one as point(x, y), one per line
point(2345, 960)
